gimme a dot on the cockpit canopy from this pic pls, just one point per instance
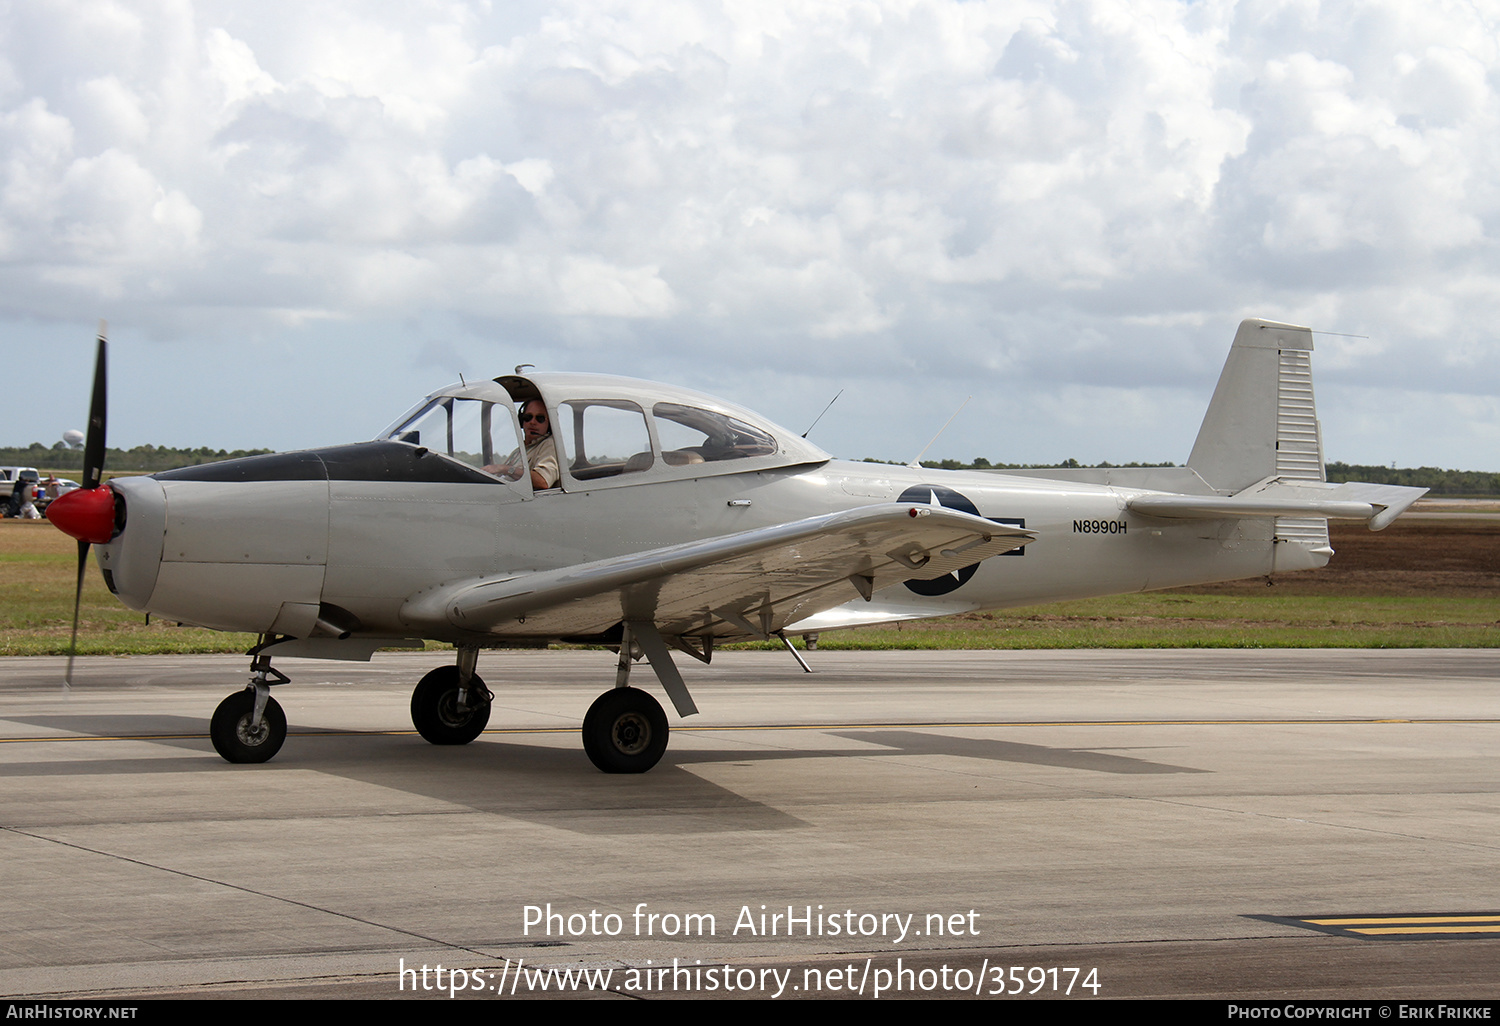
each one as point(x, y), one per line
point(607, 431)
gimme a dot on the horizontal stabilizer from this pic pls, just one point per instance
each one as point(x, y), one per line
point(1377, 505)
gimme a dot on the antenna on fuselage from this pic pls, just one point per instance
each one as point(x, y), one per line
point(825, 410)
point(916, 464)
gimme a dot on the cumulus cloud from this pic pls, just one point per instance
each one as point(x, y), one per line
point(1065, 205)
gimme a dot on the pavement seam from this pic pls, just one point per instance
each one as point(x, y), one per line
point(1322, 822)
point(245, 890)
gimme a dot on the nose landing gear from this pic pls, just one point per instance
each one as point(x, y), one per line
point(249, 725)
point(240, 734)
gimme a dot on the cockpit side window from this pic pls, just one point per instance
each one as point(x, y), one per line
point(605, 438)
point(690, 435)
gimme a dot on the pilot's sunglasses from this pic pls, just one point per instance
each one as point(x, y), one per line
point(527, 418)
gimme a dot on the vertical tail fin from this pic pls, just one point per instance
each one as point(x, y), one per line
point(1262, 421)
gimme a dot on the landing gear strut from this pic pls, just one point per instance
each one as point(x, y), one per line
point(451, 705)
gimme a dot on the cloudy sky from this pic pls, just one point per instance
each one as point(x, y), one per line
point(299, 217)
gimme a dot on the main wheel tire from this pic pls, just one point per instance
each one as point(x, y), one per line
point(625, 731)
point(434, 708)
point(231, 733)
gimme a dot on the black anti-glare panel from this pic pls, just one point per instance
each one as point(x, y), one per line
point(362, 461)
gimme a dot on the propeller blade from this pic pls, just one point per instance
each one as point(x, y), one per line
point(93, 446)
point(93, 472)
point(83, 562)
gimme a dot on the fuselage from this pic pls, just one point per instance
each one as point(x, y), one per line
point(273, 544)
point(338, 541)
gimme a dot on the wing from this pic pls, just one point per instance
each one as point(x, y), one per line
point(749, 584)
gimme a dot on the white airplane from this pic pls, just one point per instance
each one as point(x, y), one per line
point(667, 519)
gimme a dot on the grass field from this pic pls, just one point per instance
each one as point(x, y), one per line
point(1419, 584)
point(37, 575)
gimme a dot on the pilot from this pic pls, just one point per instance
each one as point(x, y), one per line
point(541, 451)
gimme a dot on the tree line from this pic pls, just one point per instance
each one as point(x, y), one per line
point(143, 457)
point(1439, 481)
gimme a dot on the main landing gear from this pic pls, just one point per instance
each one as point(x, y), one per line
point(625, 731)
point(249, 725)
point(450, 707)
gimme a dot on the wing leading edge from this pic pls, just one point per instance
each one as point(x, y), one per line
point(749, 584)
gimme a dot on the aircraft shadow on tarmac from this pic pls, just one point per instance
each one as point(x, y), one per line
point(536, 782)
point(914, 742)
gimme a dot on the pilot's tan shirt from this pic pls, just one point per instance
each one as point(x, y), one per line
point(541, 456)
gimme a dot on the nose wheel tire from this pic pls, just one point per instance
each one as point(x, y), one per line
point(625, 731)
point(236, 740)
point(435, 712)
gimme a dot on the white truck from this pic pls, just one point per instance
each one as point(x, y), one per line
point(10, 477)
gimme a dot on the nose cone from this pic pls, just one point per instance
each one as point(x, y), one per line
point(87, 514)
